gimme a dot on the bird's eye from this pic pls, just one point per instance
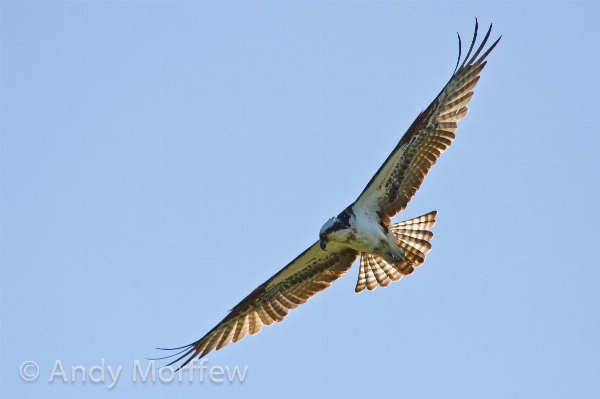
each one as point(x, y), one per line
point(323, 235)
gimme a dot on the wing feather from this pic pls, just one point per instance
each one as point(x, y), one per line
point(255, 326)
point(241, 328)
point(402, 174)
point(311, 272)
point(264, 317)
point(390, 190)
point(228, 335)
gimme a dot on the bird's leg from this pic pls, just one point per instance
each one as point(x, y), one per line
point(397, 255)
point(393, 255)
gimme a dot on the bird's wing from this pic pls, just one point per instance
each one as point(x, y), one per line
point(401, 175)
point(311, 272)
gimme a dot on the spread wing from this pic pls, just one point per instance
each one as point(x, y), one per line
point(311, 272)
point(401, 175)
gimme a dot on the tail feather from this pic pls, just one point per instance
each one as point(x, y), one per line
point(381, 277)
point(405, 268)
point(422, 245)
point(388, 269)
point(371, 281)
point(419, 223)
point(420, 234)
point(413, 239)
point(361, 283)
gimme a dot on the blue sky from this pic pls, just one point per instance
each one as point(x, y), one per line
point(161, 160)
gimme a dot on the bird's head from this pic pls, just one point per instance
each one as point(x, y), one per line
point(336, 228)
point(324, 233)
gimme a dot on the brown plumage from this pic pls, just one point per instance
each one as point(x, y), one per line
point(386, 194)
point(413, 237)
point(311, 272)
point(401, 175)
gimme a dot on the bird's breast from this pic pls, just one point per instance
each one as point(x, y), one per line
point(367, 232)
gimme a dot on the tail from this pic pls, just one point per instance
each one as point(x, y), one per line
point(413, 239)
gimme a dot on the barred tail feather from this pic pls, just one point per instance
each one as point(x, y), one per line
point(413, 239)
point(361, 283)
point(423, 222)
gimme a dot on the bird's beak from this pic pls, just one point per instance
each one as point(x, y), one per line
point(324, 242)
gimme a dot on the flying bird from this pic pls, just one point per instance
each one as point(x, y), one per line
point(387, 251)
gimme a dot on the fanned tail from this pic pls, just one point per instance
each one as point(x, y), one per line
point(413, 239)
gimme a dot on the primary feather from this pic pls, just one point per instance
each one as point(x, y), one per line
point(388, 251)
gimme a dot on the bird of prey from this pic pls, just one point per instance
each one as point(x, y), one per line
point(387, 251)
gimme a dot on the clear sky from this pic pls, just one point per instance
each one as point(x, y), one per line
point(161, 160)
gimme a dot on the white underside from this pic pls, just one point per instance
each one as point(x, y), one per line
point(367, 235)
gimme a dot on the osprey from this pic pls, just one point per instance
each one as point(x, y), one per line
point(387, 251)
